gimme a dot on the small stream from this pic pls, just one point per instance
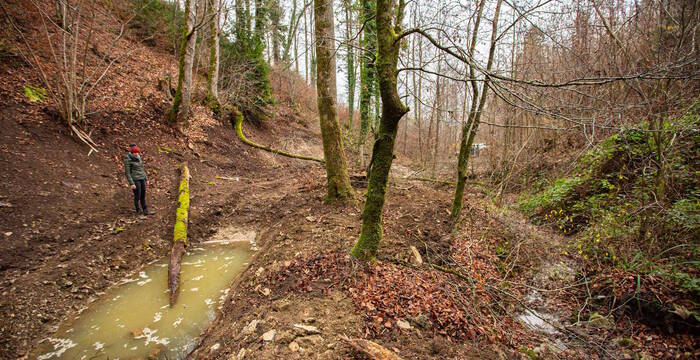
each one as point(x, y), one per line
point(133, 320)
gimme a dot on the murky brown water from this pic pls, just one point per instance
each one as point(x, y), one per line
point(134, 320)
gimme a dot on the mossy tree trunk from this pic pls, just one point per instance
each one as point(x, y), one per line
point(338, 182)
point(241, 27)
point(367, 71)
point(392, 111)
point(470, 128)
point(262, 71)
point(275, 13)
point(179, 234)
point(213, 73)
point(183, 95)
point(350, 62)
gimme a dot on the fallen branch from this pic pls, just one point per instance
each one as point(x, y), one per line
point(443, 182)
point(371, 349)
point(179, 234)
point(238, 124)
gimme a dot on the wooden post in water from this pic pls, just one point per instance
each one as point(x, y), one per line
point(179, 234)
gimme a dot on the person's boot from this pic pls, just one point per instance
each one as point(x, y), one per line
point(147, 212)
point(138, 211)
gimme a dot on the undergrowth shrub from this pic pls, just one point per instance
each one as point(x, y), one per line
point(156, 22)
point(635, 210)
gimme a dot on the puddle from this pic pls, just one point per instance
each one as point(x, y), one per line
point(536, 321)
point(133, 320)
point(232, 235)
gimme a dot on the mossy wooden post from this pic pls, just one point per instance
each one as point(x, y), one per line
point(338, 183)
point(392, 111)
point(179, 234)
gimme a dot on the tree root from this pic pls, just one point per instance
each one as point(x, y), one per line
point(238, 124)
point(371, 349)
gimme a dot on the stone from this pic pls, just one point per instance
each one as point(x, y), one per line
point(306, 329)
point(421, 320)
point(598, 321)
point(403, 324)
point(250, 328)
point(155, 351)
point(259, 271)
point(215, 347)
point(285, 337)
point(309, 341)
point(269, 335)
point(266, 292)
point(308, 320)
point(293, 346)
point(280, 305)
point(137, 333)
point(417, 259)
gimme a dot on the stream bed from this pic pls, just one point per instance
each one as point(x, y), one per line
point(134, 320)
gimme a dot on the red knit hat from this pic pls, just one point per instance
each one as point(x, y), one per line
point(135, 149)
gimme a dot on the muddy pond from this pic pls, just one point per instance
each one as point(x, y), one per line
point(134, 319)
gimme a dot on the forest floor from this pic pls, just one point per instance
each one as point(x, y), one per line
point(499, 287)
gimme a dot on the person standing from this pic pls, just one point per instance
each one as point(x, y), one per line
point(136, 176)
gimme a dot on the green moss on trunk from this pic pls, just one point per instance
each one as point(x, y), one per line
point(392, 112)
point(338, 182)
point(179, 234)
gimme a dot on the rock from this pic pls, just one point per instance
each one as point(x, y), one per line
point(71, 185)
point(308, 320)
point(250, 328)
point(259, 271)
point(5, 204)
point(306, 329)
point(285, 337)
point(598, 321)
point(281, 304)
point(270, 335)
point(155, 351)
point(215, 347)
point(417, 259)
point(420, 321)
point(293, 346)
point(266, 292)
point(309, 341)
point(403, 324)
point(310, 219)
point(8, 233)
point(137, 333)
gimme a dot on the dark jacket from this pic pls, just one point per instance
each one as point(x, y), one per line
point(133, 167)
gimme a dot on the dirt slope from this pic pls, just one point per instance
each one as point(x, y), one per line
point(67, 225)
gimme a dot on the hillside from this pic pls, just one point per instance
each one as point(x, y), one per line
point(508, 279)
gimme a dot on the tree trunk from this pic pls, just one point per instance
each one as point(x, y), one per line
point(179, 234)
point(338, 182)
point(350, 63)
point(183, 94)
point(392, 112)
point(470, 129)
point(261, 67)
point(213, 73)
point(367, 71)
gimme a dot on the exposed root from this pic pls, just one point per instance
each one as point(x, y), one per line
point(238, 124)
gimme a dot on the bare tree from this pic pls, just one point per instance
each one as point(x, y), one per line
point(338, 182)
